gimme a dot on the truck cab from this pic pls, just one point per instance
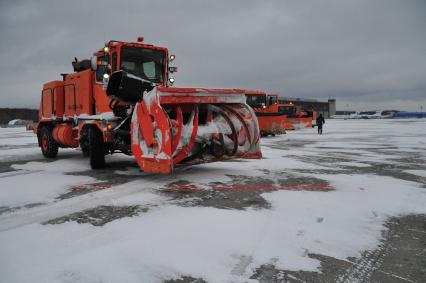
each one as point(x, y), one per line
point(262, 102)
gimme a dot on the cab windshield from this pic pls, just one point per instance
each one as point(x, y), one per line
point(288, 110)
point(144, 63)
point(256, 100)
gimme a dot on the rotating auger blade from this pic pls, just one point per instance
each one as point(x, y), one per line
point(174, 126)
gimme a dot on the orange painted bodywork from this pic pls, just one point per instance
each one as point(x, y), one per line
point(272, 124)
point(79, 94)
point(52, 101)
point(271, 121)
point(299, 119)
point(65, 134)
point(300, 122)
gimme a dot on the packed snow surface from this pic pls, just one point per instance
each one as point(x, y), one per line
point(173, 237)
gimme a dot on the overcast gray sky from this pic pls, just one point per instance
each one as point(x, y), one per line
point(367, 54)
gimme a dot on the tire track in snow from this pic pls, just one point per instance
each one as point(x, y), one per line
point(363, 268)
point(18, 173)
point(61, 208)
point(371, 262)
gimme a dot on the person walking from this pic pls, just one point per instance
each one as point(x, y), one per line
point(320, 122)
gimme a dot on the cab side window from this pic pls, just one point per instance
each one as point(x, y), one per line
point(114, 62)
point(102, 68)
point(272, 100)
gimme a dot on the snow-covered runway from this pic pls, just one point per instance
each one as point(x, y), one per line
point(60, 221)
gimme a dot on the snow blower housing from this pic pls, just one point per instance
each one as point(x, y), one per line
point(123, 101)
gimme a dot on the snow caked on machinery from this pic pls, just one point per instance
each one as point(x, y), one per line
point(122, 100)
point(297, 117)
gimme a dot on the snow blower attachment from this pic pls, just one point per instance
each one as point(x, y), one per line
point(123, 101)
point(178, 126)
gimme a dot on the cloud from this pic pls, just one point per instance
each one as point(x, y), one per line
point(362, 52)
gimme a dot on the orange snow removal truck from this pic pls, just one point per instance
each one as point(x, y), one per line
point(122, 100)
point(276, 117)
point(271, 120)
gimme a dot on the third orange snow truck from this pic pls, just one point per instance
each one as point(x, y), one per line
point(296, 117)
point(122, 100)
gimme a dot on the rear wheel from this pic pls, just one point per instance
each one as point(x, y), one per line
point(49, 147)
point(84, 141)
point(96, 149)
point(85, 151)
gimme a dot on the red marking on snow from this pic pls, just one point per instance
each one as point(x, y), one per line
point(270, 187)
point(88, 187)
point(186, 187)
point(253, 187)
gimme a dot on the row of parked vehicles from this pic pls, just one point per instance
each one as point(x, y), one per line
point(123, 100)
point(377, 114)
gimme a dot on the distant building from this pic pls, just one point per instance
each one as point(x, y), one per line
point(327, 109)
point(345, 112)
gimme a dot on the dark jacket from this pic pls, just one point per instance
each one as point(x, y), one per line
point(320, 121)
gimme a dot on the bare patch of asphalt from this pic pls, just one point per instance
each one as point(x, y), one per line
point(186, 279)
point(100, 215)
point(10, 146)
point(394, 168)
point(238, 199)
point(104, 177)
point(6, 166)
point(7, 171)
point(7, 209)
point(401, 257)
point(221, 199)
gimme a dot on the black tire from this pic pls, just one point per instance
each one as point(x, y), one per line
point(84, 142)
point(85, 151)
point(49, 147)
point(96, 149)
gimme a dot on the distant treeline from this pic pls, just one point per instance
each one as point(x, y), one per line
point(7, 114)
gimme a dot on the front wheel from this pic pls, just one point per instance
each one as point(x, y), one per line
point(96, 149)
point(49, 147)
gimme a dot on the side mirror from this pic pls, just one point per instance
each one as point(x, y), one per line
point(94, 63)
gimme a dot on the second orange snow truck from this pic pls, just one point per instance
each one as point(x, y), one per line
point(122, 100)
point(271, 120)
point(274, 116)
